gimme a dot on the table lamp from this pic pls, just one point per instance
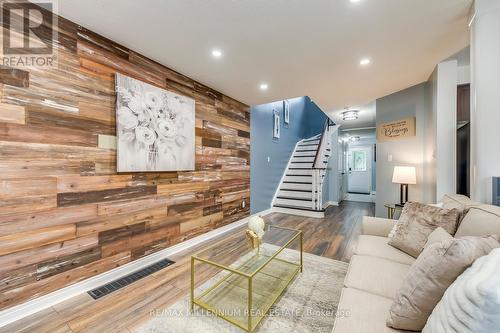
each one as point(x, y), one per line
point(404, 175)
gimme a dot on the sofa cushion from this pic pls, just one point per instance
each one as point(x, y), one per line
point(431, 274)
point(480, 221)
point(376, 226)
point(457, 201)
point(417, 222)
point(472, 303)
point(375, 275)
point(362, 312)
point(377, 247)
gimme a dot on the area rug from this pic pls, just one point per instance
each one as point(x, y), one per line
point(309, 305)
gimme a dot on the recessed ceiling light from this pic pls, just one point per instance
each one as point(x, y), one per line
point(365, 61)
point(354, 1)
point(264, 86)
point(216, 53)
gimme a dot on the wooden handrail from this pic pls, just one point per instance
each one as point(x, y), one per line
point(328, 123)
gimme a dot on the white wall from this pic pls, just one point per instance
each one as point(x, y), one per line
point(446, 128)
point(485, 98)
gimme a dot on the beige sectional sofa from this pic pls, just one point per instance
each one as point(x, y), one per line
point(377, 269)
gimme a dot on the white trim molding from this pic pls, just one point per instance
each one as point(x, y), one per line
point(330, 203)
point(23, 310)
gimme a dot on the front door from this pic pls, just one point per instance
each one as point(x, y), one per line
point(360, 169)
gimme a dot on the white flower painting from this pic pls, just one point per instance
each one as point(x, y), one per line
point(155, 128)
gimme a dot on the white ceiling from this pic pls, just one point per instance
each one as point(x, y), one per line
point(299, 47)
point(366, 116)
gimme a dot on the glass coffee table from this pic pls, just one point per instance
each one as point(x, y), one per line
point(243, 282)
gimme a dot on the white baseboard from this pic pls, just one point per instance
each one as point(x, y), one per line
point(23, 310)
point(330, 203)
point(360, 197)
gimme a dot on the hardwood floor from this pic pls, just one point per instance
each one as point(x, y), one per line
point(334, 237)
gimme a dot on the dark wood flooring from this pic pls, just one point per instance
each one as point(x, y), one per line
point(334, 236)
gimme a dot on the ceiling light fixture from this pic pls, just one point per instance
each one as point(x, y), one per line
point(216, 53)
point(264, 86)
point(365, 61)
point(350, 115)
point(354, 138)
point(354, 1)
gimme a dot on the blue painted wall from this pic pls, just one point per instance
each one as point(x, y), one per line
point(306, 120)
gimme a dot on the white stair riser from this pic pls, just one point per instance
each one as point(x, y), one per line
point(303, 159)
point(299, 172)
point(291, 186)
point(306, 179)
point(295, 203)
point(307, 146)
point(312, 142)
point(295, 194)
point(301, 165)
point(304, 153)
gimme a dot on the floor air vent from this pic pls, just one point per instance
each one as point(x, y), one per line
point(128, 279)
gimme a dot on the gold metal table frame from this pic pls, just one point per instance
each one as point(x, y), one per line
point(287, 271)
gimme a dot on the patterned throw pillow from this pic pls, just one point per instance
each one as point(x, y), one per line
point(417, 222)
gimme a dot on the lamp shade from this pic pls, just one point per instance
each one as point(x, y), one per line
point(404, 175)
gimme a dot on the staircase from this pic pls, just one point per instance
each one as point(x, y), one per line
point(300, 191)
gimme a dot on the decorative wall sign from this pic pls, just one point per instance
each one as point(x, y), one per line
point(155, 128)
point(286, 111)
point(396, 129)
point(276, 125)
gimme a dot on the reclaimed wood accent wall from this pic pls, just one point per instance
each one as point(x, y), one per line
point(65, 214)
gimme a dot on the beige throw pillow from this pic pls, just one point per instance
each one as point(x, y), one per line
point(437, 236)
point(417, 222)
point(431, 274)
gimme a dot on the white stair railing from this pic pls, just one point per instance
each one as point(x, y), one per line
point(319, 165)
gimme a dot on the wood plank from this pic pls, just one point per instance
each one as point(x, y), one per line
point(80, 198)
point(140, 240)
point(41, 117)
point(103, 223)
point(68, 184)
point(44, 286)
point(46, 134)
point(10, 113)
point(21, 222)
point(16, 168)
point(24, 258)
point(14, 77)
point(35, 238)
point(28, 194)
point(178, 188)
point(52, 267)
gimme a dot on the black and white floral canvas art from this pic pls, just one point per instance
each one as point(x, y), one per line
point(155, 128)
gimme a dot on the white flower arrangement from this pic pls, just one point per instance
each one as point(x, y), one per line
point(151, 119)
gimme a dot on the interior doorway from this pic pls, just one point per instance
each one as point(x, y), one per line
point(463, 139)
point(360, 169)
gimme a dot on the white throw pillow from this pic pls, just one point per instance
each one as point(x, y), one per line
point(472, 303)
